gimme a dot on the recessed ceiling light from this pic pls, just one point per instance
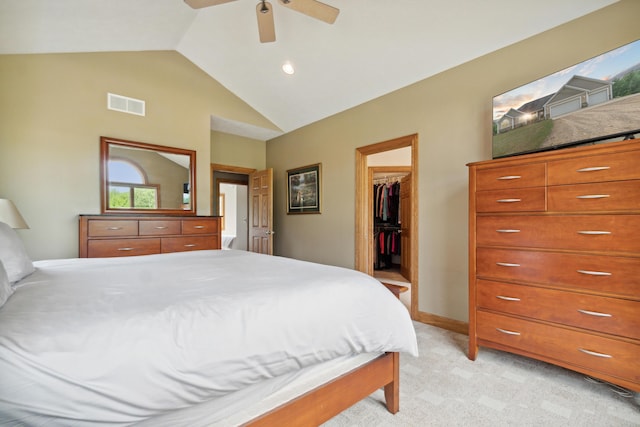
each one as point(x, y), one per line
point(287, 67)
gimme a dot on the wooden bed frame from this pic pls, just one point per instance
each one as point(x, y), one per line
point(328, 400)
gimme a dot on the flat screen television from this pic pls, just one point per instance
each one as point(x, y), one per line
point(595, 101)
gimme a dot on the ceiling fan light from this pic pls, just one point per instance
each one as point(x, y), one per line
point(287, 67)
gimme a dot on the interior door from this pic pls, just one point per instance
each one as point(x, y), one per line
point(405, 227)
point(261, 212)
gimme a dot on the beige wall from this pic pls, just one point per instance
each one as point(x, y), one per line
point(233, 150)
point(451, 112)
point(53, 111)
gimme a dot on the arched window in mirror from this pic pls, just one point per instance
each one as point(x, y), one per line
point(128, 186)
point(126, 171)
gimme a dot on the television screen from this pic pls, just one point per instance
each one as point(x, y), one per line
point(594, 101)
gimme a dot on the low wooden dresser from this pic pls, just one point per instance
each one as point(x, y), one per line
point(120, 235)
point(554, 258)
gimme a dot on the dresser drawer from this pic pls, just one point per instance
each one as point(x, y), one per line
point(199, 226)
point(600, 168)
point(516, 200)
point(605, 355)
point(159, 228)
point(616, 196)
point(609, 315)
point(606, 274)
point(511, 177)
point(115, 228)
point(122, 247)
point(610, 233)
point(191, 243)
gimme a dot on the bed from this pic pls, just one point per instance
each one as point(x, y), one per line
point(195, 338)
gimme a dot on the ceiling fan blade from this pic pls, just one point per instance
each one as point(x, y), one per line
point(314, 9)
point(199, 4)
point(266, 29)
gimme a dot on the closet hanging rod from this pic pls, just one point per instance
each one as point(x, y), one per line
point(388, 178)
point(387, 227)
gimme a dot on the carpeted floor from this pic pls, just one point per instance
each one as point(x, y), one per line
point(443, 387)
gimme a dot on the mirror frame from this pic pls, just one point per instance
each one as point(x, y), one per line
point(106, 142)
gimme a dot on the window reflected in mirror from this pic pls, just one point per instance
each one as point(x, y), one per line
point(128, 187)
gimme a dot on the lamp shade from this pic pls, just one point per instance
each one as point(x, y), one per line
point(10, 215)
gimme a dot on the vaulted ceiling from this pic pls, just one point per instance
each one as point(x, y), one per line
point(373, 48)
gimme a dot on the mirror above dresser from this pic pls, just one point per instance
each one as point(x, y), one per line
point(137, 177)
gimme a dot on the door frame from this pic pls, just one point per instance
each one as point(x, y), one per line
point(214, 192)
point(364, 209)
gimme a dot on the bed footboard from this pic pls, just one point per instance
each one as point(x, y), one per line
point(323, 403)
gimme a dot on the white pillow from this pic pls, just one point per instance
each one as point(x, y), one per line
point(13, 255)
point(5, 288)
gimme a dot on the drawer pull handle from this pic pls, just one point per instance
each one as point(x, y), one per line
point(502, 297)
point(507, 264)
point(506, 230)
point(114, 228)
point(508, 177)
point(160, 227)
point(594, 169)
point(593, 232)
point(593, 196)
point(594, 313)
point(508, 200)
point(594, 353)
point(125, 249)
point(190, 245)
point(594, 273)
point(504, 331)
point(198, 226)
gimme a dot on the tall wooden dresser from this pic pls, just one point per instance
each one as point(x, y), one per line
point(129, 235)
point(554, 258)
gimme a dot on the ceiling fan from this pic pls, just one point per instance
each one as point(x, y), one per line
point(264, 11)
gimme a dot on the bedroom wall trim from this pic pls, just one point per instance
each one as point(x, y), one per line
point(443, 322)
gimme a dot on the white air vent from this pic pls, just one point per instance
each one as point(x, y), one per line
point(125, 104)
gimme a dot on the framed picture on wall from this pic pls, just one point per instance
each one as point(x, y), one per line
point(303, 189)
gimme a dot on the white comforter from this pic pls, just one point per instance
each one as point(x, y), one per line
point(118, 340)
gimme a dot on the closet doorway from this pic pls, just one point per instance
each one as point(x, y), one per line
point(405, 227)
point(390, 224)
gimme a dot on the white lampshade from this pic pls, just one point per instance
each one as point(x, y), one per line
point(10, 215)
